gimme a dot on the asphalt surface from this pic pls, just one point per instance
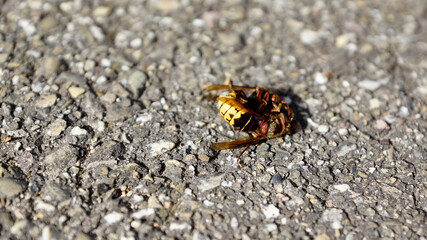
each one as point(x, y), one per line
point(105, 128)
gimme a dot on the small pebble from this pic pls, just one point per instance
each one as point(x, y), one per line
point(113, 217)
point(371, 84)
point(41, 206)
point(153, 202)
point(270, 227)
point(174, 226)
point(198, 22)
point(3, 57)
point(56, 128)
point(256, 31)
point(105, 62)
point(46, 101)
point(276, 179)
point(108, 97)
point(97, 33)
point(160, 147)
point(76, 91)
point(323, 129)
point(101, 11)
point(320, 78)
point(136, 43)
point(141, 119)
point(342, 187)
point(122, 38)
point(343, 131)
point(143, 213)
point(66, 6)
point(309, 37)
point(374, 103)
point(208, 203)
point(89, 65)
point(136, 83)
point(234, 223)
point(204, 157)
point(345, 149)
point(209, 183)
point(27, 26)
point(10, 187)
point(270, 211)
point(82, 236)
point(77, 131)
point(403, 111)
point(341, 41)
point(334, 217)
point(380, 125)
point(101, 80)
point(19, 226)
point(50, 65)
point(390, 119)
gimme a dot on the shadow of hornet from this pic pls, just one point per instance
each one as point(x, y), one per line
point(300, 109)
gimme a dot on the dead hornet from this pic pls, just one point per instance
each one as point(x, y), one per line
point(263, 115)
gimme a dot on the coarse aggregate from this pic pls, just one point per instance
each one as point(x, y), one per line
point(105, 128)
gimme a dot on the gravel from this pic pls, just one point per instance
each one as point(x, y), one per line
point(105, 129)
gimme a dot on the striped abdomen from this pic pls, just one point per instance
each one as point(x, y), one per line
point(235, 114)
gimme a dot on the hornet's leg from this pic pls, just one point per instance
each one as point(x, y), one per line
point(238, 158)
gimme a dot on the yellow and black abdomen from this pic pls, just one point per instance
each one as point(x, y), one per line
point(235, 113)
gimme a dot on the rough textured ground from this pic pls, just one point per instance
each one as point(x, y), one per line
point(105, 133)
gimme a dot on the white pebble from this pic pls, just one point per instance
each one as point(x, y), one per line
point(283, 221)
point(345, 83)
point(309, 37)
point(28, 27)
point(374, 103)
point(342, 187)
point(66, 6)
point(403, 112)
point(136, 43)
point(342, 131)
point(105, 62)
point(208, 203)
point(371, 84)
point(209, 183)
point(351, 47)
point(256, 31)
point(97, 32)
point(15, 79)
point(143, 213)
point(122, 39)
point(33, 53)
point(100, 126)
point(334, 217)
point(270, 227)
point(179, 226)
point(160, 147)
point(390, 119)
point(101, 80)
point(198, 22)
point(76, 131)
point(323, 129)
point(270, 211)
point(40, 205)
point(113, 217)
point(142, 119)
point(320, 78)
point(380, 125)
point(234, 223)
